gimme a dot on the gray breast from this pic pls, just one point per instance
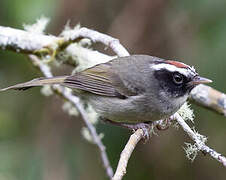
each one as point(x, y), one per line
point(131, 110)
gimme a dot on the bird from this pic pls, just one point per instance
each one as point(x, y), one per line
point(131, 91)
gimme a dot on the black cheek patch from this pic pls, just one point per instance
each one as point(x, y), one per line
point(165, 79)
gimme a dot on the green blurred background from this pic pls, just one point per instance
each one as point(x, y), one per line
point(38, 141)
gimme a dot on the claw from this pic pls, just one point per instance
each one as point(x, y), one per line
point(145, 127)
point(164, 126)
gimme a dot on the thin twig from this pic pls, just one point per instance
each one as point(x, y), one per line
point(126, 153)
point(95, 36)
point(66, 93)
point(201, 145)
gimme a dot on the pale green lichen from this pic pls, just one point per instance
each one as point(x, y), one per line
point(37, 27)
point(186, 112)
point(63, 57)
point(49, 52)
point(47, 90)
point(79, 53)
point(86, 134)
point(192, 150)
point(86, 58)
point(202, 138)
point(87, 43)
point(68, 31)
point(92, 114)
point(70, 109)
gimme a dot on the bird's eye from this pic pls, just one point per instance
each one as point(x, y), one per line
point(178, 79)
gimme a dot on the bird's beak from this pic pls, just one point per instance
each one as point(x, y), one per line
point(200, 80)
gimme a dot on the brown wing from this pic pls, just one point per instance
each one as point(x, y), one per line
point(98, 80)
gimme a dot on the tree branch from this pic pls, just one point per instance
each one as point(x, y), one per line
point(114, 44)
point(209, 98)
point(198, 141)
point(126, 153)
point(23, 41)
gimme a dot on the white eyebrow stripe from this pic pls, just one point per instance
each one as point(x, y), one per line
point(172, 68)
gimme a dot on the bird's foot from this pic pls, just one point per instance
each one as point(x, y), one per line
point(164, 125)
point(145, 126)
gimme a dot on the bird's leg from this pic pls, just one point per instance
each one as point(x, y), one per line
point(145, 126)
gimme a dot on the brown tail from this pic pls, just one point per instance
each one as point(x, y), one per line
point(37, 82)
